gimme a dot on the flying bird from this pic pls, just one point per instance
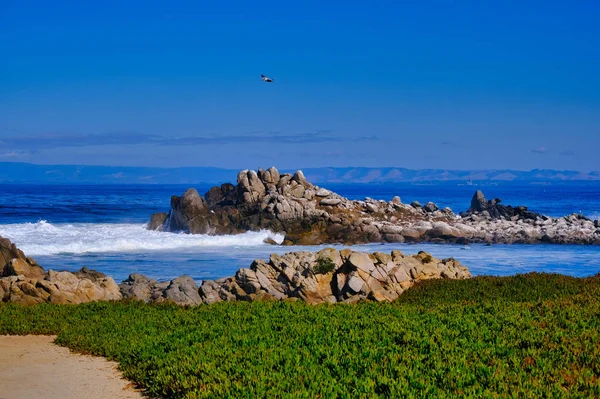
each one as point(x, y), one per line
point(266, 79)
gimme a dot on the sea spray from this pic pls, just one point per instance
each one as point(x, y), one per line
point(43, 238)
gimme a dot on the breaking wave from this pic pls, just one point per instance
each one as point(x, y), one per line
point(43, 238)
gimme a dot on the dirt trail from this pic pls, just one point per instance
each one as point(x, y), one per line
point(32, 366)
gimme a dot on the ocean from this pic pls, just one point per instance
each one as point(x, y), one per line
point(66, 227)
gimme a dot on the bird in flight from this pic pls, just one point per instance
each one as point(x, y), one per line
point(266, 79)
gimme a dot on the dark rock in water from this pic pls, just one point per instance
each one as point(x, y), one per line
point(188, 213)
point(224, 195)
point(310, 215)
point(270, 241)
point(597, 223)
point(494, 210)
point(157, 221)
point(478, 202)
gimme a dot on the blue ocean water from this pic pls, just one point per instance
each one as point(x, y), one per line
point(102, 227)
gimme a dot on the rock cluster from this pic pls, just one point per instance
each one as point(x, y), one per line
point(326, 276)
point(182, 290)
point(23, 281)
point(310, 215)
point(483, 209)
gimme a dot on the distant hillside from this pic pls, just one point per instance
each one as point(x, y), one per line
point(14, 172)
point(389, 175)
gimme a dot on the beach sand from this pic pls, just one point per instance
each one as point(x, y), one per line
point(32, 366)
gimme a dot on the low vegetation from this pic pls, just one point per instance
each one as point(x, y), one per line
point(324, 265)
point(535, 335)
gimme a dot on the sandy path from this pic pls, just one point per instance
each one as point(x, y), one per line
point(32, 366)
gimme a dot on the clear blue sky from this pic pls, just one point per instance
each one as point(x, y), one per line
point(457, 85)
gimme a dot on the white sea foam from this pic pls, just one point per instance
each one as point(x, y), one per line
point(43, 238)
point(594, 215)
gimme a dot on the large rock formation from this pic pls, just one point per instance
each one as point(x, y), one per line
point(326, 276)
point(308, 215)
point(23, 281)
point(493, 210)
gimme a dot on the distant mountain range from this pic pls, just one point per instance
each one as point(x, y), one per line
point(16, 172)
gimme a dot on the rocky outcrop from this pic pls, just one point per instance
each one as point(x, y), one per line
point(24, 281)
point(492, 209)
point(307, 214)
point(325, 276)
point(13, 262)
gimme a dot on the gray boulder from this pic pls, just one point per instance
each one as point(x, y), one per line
point(183, 291)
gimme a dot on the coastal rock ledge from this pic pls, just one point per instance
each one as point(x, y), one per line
point(310, 215)
point(23, 281)
point(326, 276)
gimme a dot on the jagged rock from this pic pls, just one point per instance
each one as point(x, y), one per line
point(300, 179)
point(13, 261)
point(478, 202)
point(18, 267)
point(330, 276)
point(308, 215)
point(26, 282)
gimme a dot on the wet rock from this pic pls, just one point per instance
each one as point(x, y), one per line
point(157, 221)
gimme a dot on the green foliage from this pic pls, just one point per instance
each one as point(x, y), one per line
point(324, 265)
point(426, 258)
point(524, 336)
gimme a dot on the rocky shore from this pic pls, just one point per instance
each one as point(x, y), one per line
point(310, 215)
point(325, 276)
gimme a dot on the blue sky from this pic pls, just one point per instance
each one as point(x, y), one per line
point(457, 85)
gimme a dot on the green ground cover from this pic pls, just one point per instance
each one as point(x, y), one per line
point(535, 335)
